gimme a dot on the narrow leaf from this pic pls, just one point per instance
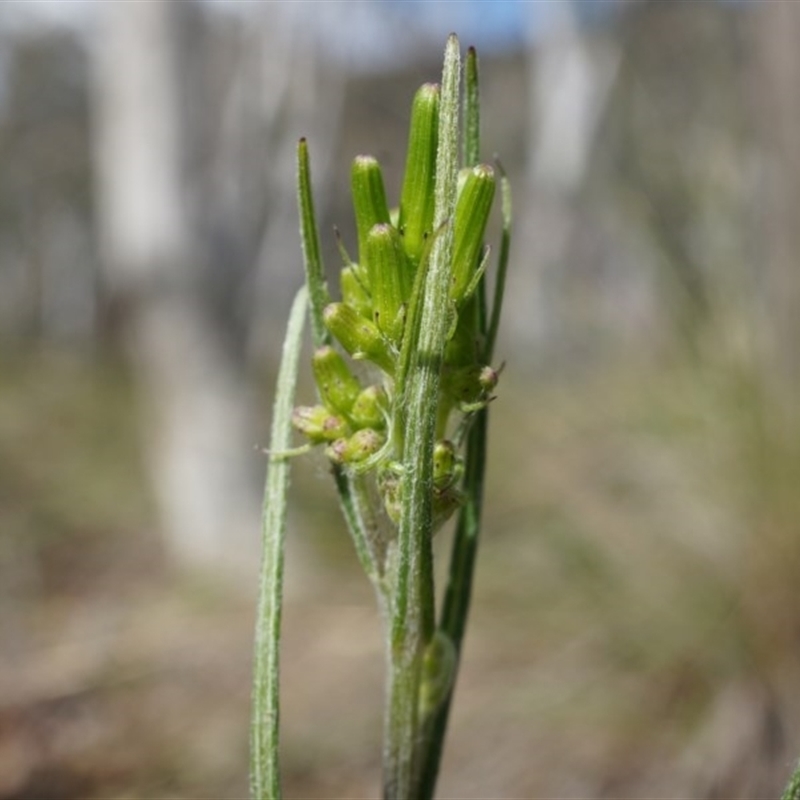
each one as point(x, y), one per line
point(502, 264)
point(472, 113)
point(309, 236)
point(264, 765)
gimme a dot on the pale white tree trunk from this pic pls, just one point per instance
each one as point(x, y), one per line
point(569, 81)
point(310, 94)
point(775, 87)
point(570, 84)
point(198, 419)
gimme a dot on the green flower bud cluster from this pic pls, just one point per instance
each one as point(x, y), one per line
point(448, 467)
point(351, 420)
point(374, 322)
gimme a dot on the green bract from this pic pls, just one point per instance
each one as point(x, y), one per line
point(390, 279)
point(337, 386)
point(318, 424)
point(356, 448)
point(417, 199)
point(360, 337)
point(354, 292)
point(472, 214)
point(438, 671)
point(445, 464)
point(370, 408)
point(369, 203)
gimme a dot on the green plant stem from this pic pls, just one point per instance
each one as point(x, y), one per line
point(412, 608)
point(363, 527)
point(458, 594)
point(792, 791)
point(264, 763)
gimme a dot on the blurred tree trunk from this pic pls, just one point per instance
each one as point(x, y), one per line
point(771, 580)
point(570, 85)
point(570, 81)
point(198, 420)
point(775, 90)
point(306, 96)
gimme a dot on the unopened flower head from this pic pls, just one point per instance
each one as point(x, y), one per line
point(375, 324)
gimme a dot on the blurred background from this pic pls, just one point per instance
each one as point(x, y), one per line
point(636, 622)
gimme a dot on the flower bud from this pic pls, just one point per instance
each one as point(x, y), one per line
point(354, 293)
point(390, 279)
point(470, 386)
point(438, 670)
point(356, 448)
point(370, 408)
point(369, 202)
point(444, 504)
point(417, 197)
point(390, 485)
point(360, 337)
point(472, 213)
point(318, 424)
point(464, 346)
point(337, 386)
point(445, 464)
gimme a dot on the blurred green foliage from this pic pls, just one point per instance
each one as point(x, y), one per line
point(70, 468)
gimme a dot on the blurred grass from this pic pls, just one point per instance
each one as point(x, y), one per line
point(635, 621)
point(69, 443)
point(70, 472)
point(647, 515)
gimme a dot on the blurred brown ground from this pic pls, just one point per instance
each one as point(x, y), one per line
point(616, 647)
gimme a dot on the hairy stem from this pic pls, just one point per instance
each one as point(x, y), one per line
point(264, 766)
point(412, 610)
point(458, 593)
point(459, 588)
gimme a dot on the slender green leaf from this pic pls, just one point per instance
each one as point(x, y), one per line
point(458, 594)
point(472, 153)
point(472, 111)
point(502, 265)
point(309, 237)
point(264, 765)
